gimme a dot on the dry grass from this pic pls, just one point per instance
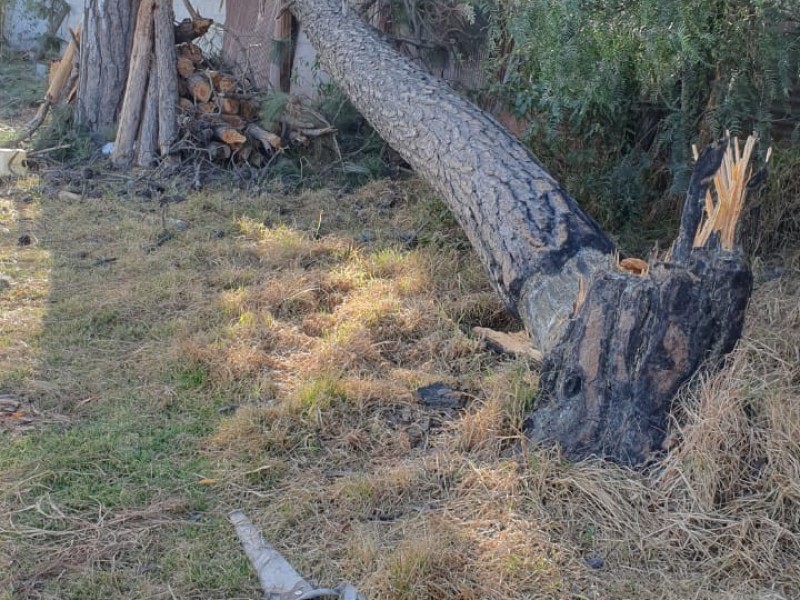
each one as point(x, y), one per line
point(266, 359)
point(311, 343)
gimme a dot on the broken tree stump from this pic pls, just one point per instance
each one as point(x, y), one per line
point(616, 345)
point(607, 385)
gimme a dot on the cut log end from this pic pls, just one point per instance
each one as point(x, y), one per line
point(185, 67)
point(229, 135)
point(199, 87)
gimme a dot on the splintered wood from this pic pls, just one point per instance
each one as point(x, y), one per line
point(724, 207)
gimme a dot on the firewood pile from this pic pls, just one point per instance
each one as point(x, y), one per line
point(218, 114)
point(177, 105)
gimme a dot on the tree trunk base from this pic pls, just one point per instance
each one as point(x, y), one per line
point(606, 387)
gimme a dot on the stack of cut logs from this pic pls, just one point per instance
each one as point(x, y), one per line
point(175, 104)
point(218, 114)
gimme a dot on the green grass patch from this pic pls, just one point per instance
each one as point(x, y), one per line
point(110, 461)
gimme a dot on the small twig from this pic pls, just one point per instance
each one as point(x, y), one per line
point(171, 593)
point(317, 132)
point(47, 150)
point(191, 10)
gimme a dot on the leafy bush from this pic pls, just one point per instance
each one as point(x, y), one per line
point(617, 91)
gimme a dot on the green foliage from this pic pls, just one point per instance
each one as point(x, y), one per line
point(60, 132)
point(272, 108)
point(616, 92)
point(355, 156)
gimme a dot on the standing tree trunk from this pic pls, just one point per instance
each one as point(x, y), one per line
point(617, 346)
point(105, 52)
point(147, 147)
point(133, 103)
point(166, 59)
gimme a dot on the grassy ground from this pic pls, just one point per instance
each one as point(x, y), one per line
point(264, 357)
point(21, 92)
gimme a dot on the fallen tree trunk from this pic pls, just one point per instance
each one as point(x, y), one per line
point(617, 346)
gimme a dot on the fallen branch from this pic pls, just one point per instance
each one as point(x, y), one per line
point(279, 580)
point(61, 84)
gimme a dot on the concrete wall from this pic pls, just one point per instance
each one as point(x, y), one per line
point(307, 75)
point(22, 31)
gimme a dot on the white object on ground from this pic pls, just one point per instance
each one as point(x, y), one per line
point(12, 162)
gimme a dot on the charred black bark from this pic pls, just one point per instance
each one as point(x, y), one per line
point(613, 363)
point(607, 386)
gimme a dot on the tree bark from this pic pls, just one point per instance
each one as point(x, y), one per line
point(166, 58)
point(105, 51)
point(517, 216)
point(146, 152)
point(617, 346)
point(136, 86)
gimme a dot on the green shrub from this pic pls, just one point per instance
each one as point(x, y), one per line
point(617, 91)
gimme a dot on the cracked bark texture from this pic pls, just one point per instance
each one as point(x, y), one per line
point(612, 364)
point(519, 219)
point(105, 53)
point(607, 386)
